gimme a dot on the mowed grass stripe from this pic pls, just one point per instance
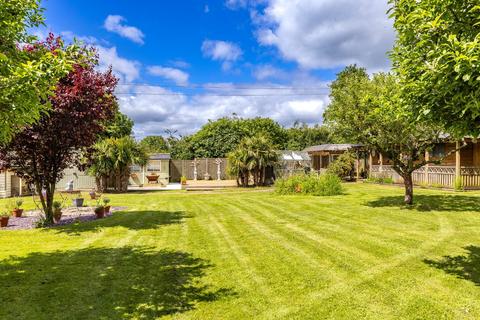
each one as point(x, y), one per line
point(283, 245)
point(327, 253)
point(343, 215)
point(339, 239)
point(376, 271)
point(241, 257)
point(385, 243)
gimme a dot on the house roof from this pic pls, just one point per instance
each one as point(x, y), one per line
point(332, 147)
point(289, 155)
point(159, 156)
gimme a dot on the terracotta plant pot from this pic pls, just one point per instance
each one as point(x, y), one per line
point(100, 213)
point(4, 221)
point(107, 209)
point(17, 213)
point(93, 196)
point(57, 216)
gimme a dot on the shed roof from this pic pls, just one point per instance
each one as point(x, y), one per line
point(159, 156)
point(332, 147)
point(289, 155)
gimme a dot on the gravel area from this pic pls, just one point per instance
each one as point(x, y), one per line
point(69, 215)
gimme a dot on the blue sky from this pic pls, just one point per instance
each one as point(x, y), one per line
point(183, 62)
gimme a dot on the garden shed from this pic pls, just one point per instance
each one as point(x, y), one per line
point(156, 171)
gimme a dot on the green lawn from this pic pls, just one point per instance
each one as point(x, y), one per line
point(242, 255)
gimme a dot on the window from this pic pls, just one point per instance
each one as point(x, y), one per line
point(438, 151)
point(135, 168)
point(154, 166)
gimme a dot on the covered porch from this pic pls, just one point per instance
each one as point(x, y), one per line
point(461, 167)
point(324, 154)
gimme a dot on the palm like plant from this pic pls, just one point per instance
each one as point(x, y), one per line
point(112, 159)
point(250, 159)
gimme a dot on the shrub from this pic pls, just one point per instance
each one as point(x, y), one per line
point(343, 166)
point(323, 185)
point(380, 180)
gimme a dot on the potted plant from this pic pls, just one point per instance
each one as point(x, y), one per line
point(57, 211)
point(78, 201)
point(183, 180)
point(17, 210)
point(93, 194)
point(4, 217)
point(100, 212)
point(106, 202)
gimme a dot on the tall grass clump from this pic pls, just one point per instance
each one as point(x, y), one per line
point(323, 185)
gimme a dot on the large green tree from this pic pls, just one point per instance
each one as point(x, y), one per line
point(154, 144)
point(28, 71)
point(120, 126)
point(370, 111)
point(301, 136)
point(437, 57)
point(217, 138)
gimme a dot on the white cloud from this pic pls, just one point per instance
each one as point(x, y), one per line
point(179, 64)
point(221, 50)
point(237, 4)
point(178, 76)
point(328, 33)
point(113, 23)
point(88, 40)
point(155, 109)
point(269, 72)
point(126, 70)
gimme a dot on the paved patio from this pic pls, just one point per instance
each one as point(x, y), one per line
point(191, 184)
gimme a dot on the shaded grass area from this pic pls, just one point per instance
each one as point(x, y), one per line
point(103, 283)
point(253, 255)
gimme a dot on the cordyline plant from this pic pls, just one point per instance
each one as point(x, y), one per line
point(82, 102)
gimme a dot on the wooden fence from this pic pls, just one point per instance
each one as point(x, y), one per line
point(436, 176)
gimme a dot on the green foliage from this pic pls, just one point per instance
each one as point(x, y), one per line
point(437, 55)
point(343, 166)
point(28, 74)
point(154, 144)
point(18, 203)
point(250, 159)
point(217, 138)
point(119, 127)
point(380, 180)
point(371, 111)
point(181, 148)
point(57, 205)
point(112, 158)
point(311, 184)
point(301, 136)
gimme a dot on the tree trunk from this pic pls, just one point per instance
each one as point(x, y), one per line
point(408, 181)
